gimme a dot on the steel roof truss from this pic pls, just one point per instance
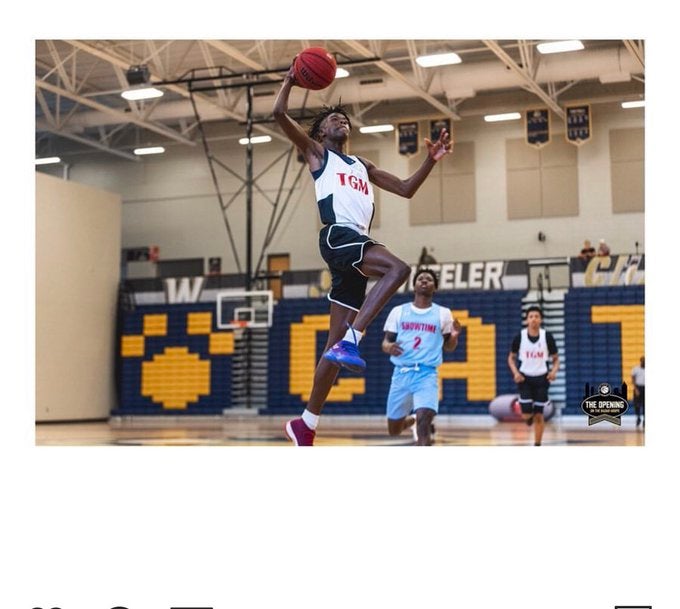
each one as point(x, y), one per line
point(387, 68)
point(529, 83)
point(121, 116)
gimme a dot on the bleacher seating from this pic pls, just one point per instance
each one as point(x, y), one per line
point(173, 360)
point(599, 351)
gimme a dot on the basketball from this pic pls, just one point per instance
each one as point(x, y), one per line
point(314, 68)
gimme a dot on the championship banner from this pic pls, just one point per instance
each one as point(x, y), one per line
point(408, 137)
point(538, 127)
point(437, 125)
point(579, 128)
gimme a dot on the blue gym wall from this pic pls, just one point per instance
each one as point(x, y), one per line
point(188, 361)
point(596, 351)
point(172, 359)
point(500, 309)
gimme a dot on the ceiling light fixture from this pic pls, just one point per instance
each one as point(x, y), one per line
point(633, 104)
point(341, 73)
point(441, 59)
point(256, 139)
point(559, 46)
point(509, 116)
point(48, 160)
point(141, 93)
point(376, 128)
point(149, 150)
point(139, 80)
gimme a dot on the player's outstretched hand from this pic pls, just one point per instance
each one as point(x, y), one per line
point(442, 146)
point(291, 72)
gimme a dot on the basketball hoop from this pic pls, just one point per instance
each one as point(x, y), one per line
point(254, 308)
point(238, 327)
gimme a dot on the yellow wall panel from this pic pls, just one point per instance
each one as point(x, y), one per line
point(199, 323)
point(155, 324)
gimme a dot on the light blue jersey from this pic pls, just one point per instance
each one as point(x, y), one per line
point(420, 333)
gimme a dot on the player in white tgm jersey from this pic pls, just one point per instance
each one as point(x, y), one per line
point(416, 334)
point(345, 200)
point(344, 192)
point(534, 347)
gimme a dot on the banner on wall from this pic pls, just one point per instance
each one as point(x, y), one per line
point(141, 254)
point(483, 275)
point(437, 125)
point(408, 137)
point(215, 265)
point(537, 127)
point(600, 271)
point(492, 275)
point(579, 127)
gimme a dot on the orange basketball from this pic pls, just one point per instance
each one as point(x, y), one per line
point(314, 68)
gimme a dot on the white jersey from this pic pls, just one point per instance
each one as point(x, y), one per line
point(639, 376)
point(343, 192)
point(420, 332)
point(533, 356)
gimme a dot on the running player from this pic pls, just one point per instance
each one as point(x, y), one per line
point(415, 335)
point(345, 199)
point(534, 346)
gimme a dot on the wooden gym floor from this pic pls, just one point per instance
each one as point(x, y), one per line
point(253, 430)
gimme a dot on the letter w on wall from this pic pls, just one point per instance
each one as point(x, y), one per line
point(183, 289)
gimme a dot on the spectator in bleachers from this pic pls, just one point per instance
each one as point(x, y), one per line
point(587, 251)
point(425, 258)
point(638, 377)
point(603, 248)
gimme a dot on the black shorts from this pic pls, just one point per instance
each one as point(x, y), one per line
point(533, 390)
point(343, 250)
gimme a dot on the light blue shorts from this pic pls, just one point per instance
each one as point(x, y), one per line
point(412, 389)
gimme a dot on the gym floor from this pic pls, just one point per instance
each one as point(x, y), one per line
point(254, 430)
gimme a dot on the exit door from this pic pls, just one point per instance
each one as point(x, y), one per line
point(277, 263)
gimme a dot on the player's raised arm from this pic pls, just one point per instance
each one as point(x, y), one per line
point(408, 187)
point(310, 149)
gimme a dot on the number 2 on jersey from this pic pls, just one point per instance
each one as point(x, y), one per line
point(416, 342)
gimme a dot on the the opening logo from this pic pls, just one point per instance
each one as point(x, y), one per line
point(608, 404)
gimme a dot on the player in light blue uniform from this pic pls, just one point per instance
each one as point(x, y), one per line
point(416, 334)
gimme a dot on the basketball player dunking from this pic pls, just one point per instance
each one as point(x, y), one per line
point(344, 194)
